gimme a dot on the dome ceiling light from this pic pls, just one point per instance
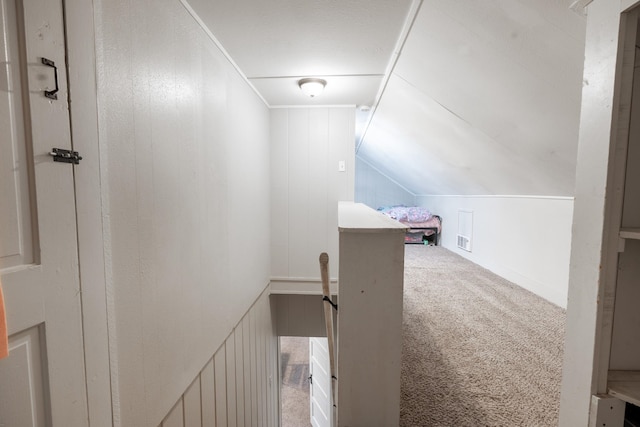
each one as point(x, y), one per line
point(312, 87)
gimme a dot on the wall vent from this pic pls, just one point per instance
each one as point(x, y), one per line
point(465, 229)
point(464, 243)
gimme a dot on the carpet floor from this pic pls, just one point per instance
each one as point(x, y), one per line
point(477, 350)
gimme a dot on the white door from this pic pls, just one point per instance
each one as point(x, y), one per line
point(42, 381)
point(320, 384)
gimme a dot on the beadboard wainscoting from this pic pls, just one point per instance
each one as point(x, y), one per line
point(239, 384)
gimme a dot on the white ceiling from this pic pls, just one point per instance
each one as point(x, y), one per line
point(484, 97)
point(275, 43)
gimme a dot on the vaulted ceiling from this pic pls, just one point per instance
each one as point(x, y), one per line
point(466, 96)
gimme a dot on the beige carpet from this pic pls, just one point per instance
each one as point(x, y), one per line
point(477, 350)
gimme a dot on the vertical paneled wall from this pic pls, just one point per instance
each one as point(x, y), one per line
point(239, 384)
point(184, 146)
point(306, 185)
point(375, 189)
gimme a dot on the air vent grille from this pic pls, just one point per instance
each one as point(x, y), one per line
point(464, 243)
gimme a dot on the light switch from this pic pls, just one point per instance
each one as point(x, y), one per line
point(342, 166)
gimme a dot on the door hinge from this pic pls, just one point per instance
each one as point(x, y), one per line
point(65, 156)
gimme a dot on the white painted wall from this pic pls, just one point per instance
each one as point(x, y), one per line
point(306, 146)
point(184, 145)
point(526, 240)
point(374, 189)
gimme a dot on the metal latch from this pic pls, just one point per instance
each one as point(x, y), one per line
point(65, 156)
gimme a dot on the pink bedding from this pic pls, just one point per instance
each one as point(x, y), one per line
point(434, 221)
point(413, 217)
point(406, 213)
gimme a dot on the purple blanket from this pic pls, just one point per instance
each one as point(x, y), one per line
point(406, 213)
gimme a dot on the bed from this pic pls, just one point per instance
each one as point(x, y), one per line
point(424, 227)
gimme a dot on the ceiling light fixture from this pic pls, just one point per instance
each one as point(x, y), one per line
point(312, 87)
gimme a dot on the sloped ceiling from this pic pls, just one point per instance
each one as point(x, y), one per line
point(484, 99)
point(469, 97)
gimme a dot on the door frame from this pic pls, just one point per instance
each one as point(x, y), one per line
point(82, 63)
point(594, 243)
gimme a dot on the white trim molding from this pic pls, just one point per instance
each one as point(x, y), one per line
point(301, 285)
